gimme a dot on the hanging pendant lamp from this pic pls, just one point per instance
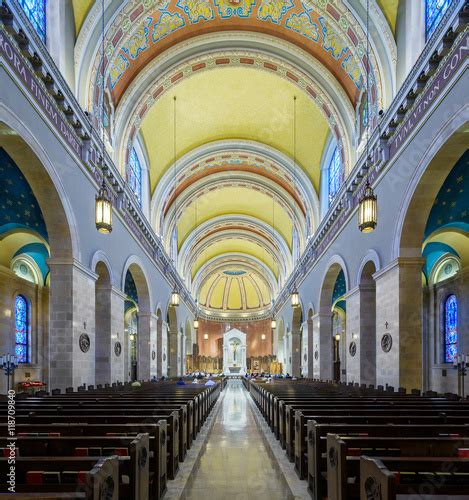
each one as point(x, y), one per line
point(103, 203)
point(368, 202)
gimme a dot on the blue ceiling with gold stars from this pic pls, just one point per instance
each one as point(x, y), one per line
point(130, 289)
point(19, 207)
point(339, 290)
point(451, 206)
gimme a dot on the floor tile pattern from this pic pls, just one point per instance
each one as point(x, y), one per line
point(236, 461)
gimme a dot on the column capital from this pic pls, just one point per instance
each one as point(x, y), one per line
point(400, 262)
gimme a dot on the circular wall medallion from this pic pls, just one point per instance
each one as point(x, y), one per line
point(305, 357)
point(84, 342)
point(117, 348)
point(352, 348)
point(316, 355)
point(153, 355)
point(372, 489)
point(164, 357)
point(332, 457)
point(107, 489)
point(142, 459)
point(386, 342)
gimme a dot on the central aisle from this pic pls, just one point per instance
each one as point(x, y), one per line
point(236, 462)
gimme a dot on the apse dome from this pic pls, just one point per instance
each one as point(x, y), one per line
point(235, 290)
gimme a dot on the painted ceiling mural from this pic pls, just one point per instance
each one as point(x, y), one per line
point(324, 28)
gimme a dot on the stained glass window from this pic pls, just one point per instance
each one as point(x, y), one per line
point(335, 174)
point(134, 175)
point(434, 10)
point(451, 328)
point(36, 12)
point(21, 329)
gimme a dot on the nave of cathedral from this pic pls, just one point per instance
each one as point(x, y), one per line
point(229, 228)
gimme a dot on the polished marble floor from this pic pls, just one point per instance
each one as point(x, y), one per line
point(236, 462)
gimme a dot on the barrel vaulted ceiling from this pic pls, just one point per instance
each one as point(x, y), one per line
point(228, 193)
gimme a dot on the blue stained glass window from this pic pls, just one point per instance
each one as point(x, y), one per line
point(36, 12)
point(451, 328)
point(22, 329)
point(134, 175)
point(335, 174)
point(434, 10)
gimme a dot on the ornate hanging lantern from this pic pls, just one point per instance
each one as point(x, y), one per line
point(367, 210)
point(196, 323)
point(103, 204)
point(103, 212)
point(175, 298)
point(295, 299)
point(273, 324)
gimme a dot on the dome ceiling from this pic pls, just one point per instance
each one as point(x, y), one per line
point(232, 207)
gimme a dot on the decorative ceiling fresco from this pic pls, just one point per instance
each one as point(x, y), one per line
point(234, 194)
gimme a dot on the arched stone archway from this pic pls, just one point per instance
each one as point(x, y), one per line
point(61, 360)
point(145, 340)
point(328, 351)
point(401, 318)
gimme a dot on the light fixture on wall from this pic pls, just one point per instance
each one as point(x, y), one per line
point(295, 299)
point(205, 336)
point(263, 337)
point(175, 298)
point(103, 203)
point(273, 324)
point(196, 323)
point(368, 203)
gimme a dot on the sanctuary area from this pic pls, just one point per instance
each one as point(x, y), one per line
point(234, 249)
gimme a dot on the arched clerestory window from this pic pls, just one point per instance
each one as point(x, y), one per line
point(134, 175)
point(36, 12)
point(22, 329)
point(450, 320)
point(335, 174)
point(434, 11)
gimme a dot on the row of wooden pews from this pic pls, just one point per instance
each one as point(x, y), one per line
point(351, 441)
point(109, 443)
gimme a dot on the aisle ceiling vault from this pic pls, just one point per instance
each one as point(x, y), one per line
point(235, 194)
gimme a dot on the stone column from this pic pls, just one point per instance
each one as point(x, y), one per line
point(295, 354)
point(173, 351)
point(117, 335)
point(159, 347)
point(353, 330)
point(72, 317)
point(164, 341)
point(399, 314)
point(314, 349)
point(145, 325)
point(154, 346)
point(326, 357)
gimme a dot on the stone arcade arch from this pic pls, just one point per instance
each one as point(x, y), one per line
point(64, 364)
point(144, 319)
point(402, 365)
point(325, 342)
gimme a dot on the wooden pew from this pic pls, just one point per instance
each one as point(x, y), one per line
point(384, 478)
point(343, 452)
point(98, 479)
point(136, 448)
point(317, 442)
point(157, 433)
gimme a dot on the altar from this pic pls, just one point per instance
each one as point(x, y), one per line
point(234, 352)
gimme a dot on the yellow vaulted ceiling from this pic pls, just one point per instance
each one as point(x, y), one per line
point(389, 8)
point(80, 11)
point(234, 103)
point(242, 292)
point(235, 245)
